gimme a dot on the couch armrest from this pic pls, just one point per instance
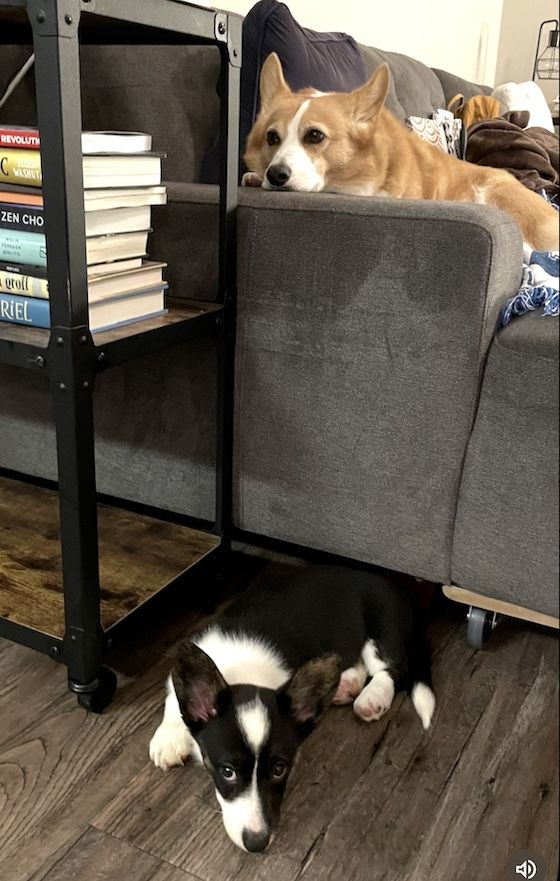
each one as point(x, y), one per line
point(185, 236)
point(363, 326)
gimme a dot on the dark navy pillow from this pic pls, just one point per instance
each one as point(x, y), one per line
point(327, 62)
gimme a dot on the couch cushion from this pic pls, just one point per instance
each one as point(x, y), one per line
point(532, 335)
point(415, 90)
point(330, 62)
point(506, 533)
point(454, 85)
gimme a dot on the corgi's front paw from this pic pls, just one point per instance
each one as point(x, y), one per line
point(251, 179)
point(171, 745)
point(376, 698)
point(351, 683)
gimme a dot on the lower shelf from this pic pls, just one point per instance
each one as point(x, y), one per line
point(138, 556)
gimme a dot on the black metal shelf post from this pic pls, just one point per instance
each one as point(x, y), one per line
point(69, 353)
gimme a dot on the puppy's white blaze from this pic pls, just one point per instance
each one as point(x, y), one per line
point(292, 153)
point(243, 813)
point(244, 659)
point(254, 723)
point(370, 656)
point(424, 702)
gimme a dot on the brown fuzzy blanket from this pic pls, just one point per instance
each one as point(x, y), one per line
point(530, 154)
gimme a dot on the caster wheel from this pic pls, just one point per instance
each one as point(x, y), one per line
point(480, 625)
point(99, 694)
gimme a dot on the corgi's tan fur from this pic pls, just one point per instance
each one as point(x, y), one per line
point(350, 143)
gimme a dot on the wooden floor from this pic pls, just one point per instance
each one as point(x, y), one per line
point(138, 555)
point(79, 800)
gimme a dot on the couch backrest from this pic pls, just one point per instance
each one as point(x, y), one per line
point(415, 89)
point(454, 85)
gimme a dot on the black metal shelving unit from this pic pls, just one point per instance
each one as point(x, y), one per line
point(69, 353)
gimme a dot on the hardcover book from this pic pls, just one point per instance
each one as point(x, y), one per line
point(24, 138)
point(29, 248)
point(105, 313)
point(23, 247)
point(97, 223)
point(20, 167)
point(94, 200)
point(33, 283)
point(20, 137)
point(99, 170)
point(21, 217)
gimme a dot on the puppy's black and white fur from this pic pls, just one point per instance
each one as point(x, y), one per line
point(245, 692)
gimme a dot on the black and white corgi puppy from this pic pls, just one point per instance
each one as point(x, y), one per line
point(245, 692)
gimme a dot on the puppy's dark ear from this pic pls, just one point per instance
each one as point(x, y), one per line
point(200, 687)
point(311, 689)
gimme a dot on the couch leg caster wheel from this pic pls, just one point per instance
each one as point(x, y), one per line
point(97, 695)
point(480, 625)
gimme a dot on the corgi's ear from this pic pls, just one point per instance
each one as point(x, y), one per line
point(272, 82)
point(311, 690)
point(370, 98)
point(200, 687)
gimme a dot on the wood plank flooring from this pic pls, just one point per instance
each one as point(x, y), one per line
point(138, 555)
point(385, 802)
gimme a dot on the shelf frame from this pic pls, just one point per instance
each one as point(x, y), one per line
point(70, 355)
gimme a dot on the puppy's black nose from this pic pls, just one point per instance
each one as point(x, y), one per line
point(278, 175)
point(255, 842)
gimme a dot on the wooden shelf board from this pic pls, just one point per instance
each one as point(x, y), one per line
point(138, 556)
point(179, 311)
point(29, 336)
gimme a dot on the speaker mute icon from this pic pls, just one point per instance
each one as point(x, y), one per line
point(527, 869)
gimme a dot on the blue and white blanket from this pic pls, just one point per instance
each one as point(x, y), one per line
point(539, 286)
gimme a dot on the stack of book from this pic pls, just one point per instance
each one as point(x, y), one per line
point(122, 180)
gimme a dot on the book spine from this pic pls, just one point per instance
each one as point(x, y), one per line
point(21, 140)
point(26, 219)
point(23, 285)
point(24, 310)
point(23, 247)
point(20, 167)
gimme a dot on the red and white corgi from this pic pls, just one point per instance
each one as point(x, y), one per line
point(350, 143)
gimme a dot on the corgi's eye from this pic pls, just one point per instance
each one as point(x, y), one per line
point(272, 138)
point(279, 769)
point(228, 773)
point(314, 136)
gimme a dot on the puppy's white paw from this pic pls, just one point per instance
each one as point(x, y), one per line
point(350, 685)
point(376, 698)
point(171, 745)
point(251, 179)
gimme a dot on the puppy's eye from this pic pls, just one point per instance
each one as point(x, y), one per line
point(279, 769)
point(272, 138)
point(228, 773)
point(314, 136)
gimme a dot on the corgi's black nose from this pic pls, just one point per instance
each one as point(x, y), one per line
point(255, 842)
point(278, 175)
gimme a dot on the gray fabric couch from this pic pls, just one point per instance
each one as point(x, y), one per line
point(377, 415)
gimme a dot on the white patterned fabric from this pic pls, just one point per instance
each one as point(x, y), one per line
point(442, 131)
point(539, 286)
